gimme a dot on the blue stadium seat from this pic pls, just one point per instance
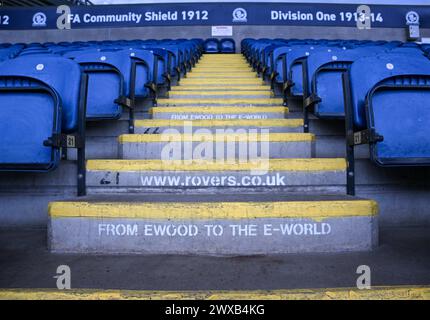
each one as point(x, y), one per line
point(211, 45)
point(322, 83)
point(388, 109)
point(43, 101)
point(127, 75)
point(227, 46)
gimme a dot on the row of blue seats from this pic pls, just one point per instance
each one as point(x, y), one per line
point(381, 90)
point(48, 91)
point(214, 45)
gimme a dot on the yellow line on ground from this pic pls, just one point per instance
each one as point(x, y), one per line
point(155, 123)
point(293, 165)
point(245, 87)
point(222, 65)
point(217, 70)
point(376, 293)
point(225, 77)
point(220, 71)
point(232, 101)
point(221, 93)
point(199, 137)
point(314, 210)
point(218, 81)
point(219, 110)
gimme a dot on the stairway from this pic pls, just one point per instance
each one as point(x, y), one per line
point(221, 168)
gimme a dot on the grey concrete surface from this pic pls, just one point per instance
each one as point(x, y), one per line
point(215, 103)
point(181, 129)
point(216, 150)
point(402, 193)
point(402, 258)
point(202, 115)
point(195, 95)
point(207, 181)
point(190, 236)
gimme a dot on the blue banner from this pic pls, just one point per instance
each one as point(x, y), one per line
point(192, 14)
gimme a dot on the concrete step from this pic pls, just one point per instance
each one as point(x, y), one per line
point(245, 87)
point(194, 81)
point(234, 102)
point(273, 125)
point(218, 113)
point(190, 225)
point(174, 146)
point(288, 175)
point(214, 69)
point(402, 193)
point(225, 76)
point(226, 66)
point(221, 94)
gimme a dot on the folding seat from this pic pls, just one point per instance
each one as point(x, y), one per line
point(407, 49)
point(267, 59)
point(33, 51)
point(184, 57)
point(227, 46)
point(43, 99)
point(287, 67)
point(73, 53)
point(178, 65)
point(170, 60)
point(147, 66)
point(7, 53)
point(294, 65)
point(278, 65)
point(322, 81)
point(211, 45)
point(116, 79)
point(388, 109)
point(244, 45)
point(200, 45)
point(190, 53)
point(161, 67)
point(256, 56)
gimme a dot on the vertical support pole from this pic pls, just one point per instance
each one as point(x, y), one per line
point(284, 77)
point(306, 94)
point(82, 186)
point(349, 139)
point(155, 75)
point(132, 96)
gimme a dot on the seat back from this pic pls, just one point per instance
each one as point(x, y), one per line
point(393, 100)
point(324, 78)
point(295, 61)
point(39, 97)
point(211, 45)
point(107, 72)
point(227, 46)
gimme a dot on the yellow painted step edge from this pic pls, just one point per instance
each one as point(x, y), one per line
point(376, 293)
point(266, 93)
point(295, 165)
point(221, 81)
point(221, 101)
point(222, 87)
point(156, 123)
point(196, 137)
point(219, 110)
point(315, 210)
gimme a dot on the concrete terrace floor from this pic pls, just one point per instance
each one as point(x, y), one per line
point(403, 258)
